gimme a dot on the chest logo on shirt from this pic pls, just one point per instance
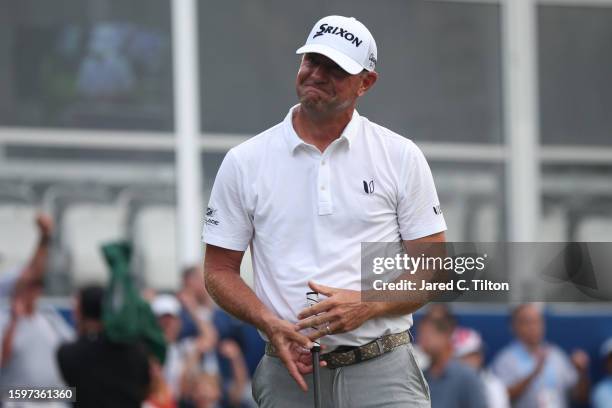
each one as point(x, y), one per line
point(368, 187)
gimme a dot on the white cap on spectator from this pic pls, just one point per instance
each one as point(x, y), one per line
point(466, 341)
point(165, 305)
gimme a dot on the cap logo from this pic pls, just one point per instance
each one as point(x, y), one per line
point(327, 29)
point(372, 60)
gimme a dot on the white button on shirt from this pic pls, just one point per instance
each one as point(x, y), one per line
point(306, 213)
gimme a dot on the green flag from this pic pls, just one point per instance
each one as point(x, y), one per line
point(126, 315)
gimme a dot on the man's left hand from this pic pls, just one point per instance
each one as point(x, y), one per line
point(44, 222)
point(341, 312)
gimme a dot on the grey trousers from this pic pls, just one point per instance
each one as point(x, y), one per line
point(391, 380)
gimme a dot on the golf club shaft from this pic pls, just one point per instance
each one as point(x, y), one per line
point(316, 379)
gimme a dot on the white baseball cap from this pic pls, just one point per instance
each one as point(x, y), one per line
point(165, 305)
point(466, 341)
point(344, 40)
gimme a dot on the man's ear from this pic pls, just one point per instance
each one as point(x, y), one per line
point(368, 81)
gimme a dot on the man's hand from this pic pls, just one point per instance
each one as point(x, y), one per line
point(540, 356)
point(230, 349)
point(517, 389)
point(45, 225)
point(188, 301)
point(303, 359)
point(580, 360)
point(290, 346)
point(341, 312)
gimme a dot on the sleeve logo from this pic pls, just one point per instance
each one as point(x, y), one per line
point(210, 216)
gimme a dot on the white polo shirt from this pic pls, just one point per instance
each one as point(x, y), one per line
point(306, 213)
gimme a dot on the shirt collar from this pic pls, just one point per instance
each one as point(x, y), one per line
point(293, 140)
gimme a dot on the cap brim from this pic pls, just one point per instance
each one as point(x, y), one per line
point(339, 58)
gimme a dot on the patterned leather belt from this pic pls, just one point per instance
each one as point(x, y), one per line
point(346, 355)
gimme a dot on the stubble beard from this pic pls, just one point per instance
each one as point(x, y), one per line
point(320, 108)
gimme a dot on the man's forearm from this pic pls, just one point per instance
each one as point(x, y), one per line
point(389, 309)
point(36, 267)
point(240, 375)
point(517, 389)
point(230, 292)
point(580, 392)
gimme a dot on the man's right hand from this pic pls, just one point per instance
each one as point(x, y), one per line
point(292, 348)
point(540, 356)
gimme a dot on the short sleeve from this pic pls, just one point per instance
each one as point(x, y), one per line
point(418, 209)
point(227, 222)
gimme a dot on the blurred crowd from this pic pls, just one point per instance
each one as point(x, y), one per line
point(529, 372)
point(210, 356)
point(208, 361)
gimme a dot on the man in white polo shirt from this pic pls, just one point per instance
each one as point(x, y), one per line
point(304, 195)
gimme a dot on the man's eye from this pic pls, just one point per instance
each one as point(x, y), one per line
point(337, 71)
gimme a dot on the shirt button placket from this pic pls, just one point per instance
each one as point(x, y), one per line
point(325, 204)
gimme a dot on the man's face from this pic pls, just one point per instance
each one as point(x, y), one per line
point(432, 341)
point(474, 360)
point(528, 325)
point(194, 284)
point(206, 391)
point(323, 87)
point(171, 326)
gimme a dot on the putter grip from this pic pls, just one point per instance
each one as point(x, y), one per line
point(312, 298)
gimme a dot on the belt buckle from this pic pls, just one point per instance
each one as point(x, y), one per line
point(381, 346)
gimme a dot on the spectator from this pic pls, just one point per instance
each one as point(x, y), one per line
point(537, 373)
point(160, 394)
point(166, 308)
point(194, 292)
point(35, 268)
point(206, 392)
point(238, 389)
point(441, 311)
point(105, 374)
point(199, 388)
point(451, 383)
point(602, 394)
point(30, 335)
point(468, 348)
